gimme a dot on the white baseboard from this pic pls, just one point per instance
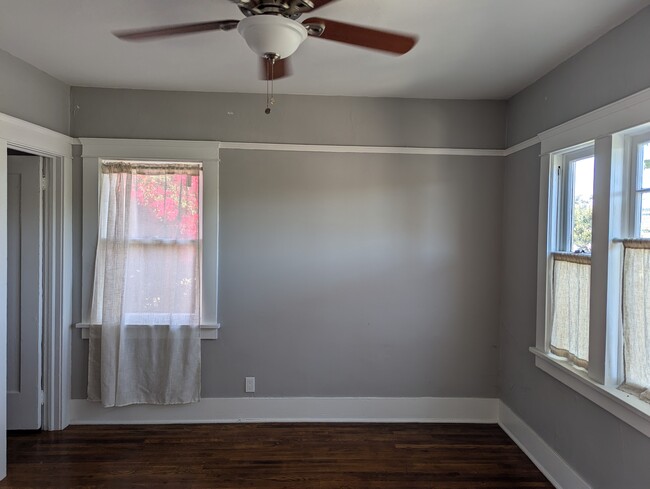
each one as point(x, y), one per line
point(556, 470)
point(295, 409)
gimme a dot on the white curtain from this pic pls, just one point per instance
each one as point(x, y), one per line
point(570, 323)
point(636, 317)
point(145, 344)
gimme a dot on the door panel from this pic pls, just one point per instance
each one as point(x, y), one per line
point(24, 293)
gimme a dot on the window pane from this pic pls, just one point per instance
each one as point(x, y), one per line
point(162, 282)
point(644, 155)
point(582, 205)
point(167, 206)
point(163, 256)
point(645, 215)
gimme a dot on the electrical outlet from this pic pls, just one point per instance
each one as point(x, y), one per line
point(250, 384)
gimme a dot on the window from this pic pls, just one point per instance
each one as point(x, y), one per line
point(593, 315)
point(573, 182)
point(204, 153)
point(149, 227)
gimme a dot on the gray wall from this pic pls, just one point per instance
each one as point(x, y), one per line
point(295, 119)
point(342, 274)
point(357, 276)
point(605, 451)
point(32, 95)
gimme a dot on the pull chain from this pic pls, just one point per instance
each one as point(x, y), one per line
point(270, 63)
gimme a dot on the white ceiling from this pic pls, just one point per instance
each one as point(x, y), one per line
point(468, 49)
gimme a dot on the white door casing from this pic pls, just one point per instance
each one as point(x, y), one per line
point(24, 292)
point(57, 317)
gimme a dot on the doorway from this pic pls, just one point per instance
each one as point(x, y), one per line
point(25, 210)
point(56, 150)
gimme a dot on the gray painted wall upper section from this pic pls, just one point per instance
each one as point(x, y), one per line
point(295, 119)
point(32, 95)
point(613, 67)
point(353, 275)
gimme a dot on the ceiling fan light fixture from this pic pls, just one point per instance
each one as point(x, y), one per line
point(272, 34)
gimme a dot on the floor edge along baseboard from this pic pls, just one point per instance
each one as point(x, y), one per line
point(294, 409)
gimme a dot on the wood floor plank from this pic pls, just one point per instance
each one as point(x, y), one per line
point(271, 456)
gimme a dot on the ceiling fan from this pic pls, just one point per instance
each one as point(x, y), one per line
point(271, 30)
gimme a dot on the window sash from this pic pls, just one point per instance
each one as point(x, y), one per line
point(636, 181)
point(155, 241)
point(564, 181)
point(159, 168)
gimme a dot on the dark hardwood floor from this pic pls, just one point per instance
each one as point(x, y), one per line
point(271, 456)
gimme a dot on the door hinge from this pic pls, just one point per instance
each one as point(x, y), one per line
point(41, 397)
point(43, 183)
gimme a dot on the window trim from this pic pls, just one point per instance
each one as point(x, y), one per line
point(624, 406)
point(607, 127)
point(207, 152)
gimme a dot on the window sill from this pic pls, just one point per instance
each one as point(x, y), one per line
point(208, 331)
point(626, 407)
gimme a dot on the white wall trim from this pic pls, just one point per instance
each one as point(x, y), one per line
point(123, 148)
point(27, 136)
point(626, 407)
point(521, 146)
point(94, 146)
point(623, 114)
point(208, 331)
point(3, 307)
point(326, 148)
point(554, 467)
point(295, 409)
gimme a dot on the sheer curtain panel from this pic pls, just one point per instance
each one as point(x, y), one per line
point(636, 317)
point(570, 302)
point(145, 345)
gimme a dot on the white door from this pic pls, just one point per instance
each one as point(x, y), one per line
point(24, 292)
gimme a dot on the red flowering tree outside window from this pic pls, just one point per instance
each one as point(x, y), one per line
point(173, 201)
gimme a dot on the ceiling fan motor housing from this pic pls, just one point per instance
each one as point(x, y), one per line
point(272, 34)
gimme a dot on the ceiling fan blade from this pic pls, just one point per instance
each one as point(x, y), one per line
point(281, 69)
point(361, 36)
point(175, 30)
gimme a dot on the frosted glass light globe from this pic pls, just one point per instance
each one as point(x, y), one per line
point(272, 34)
